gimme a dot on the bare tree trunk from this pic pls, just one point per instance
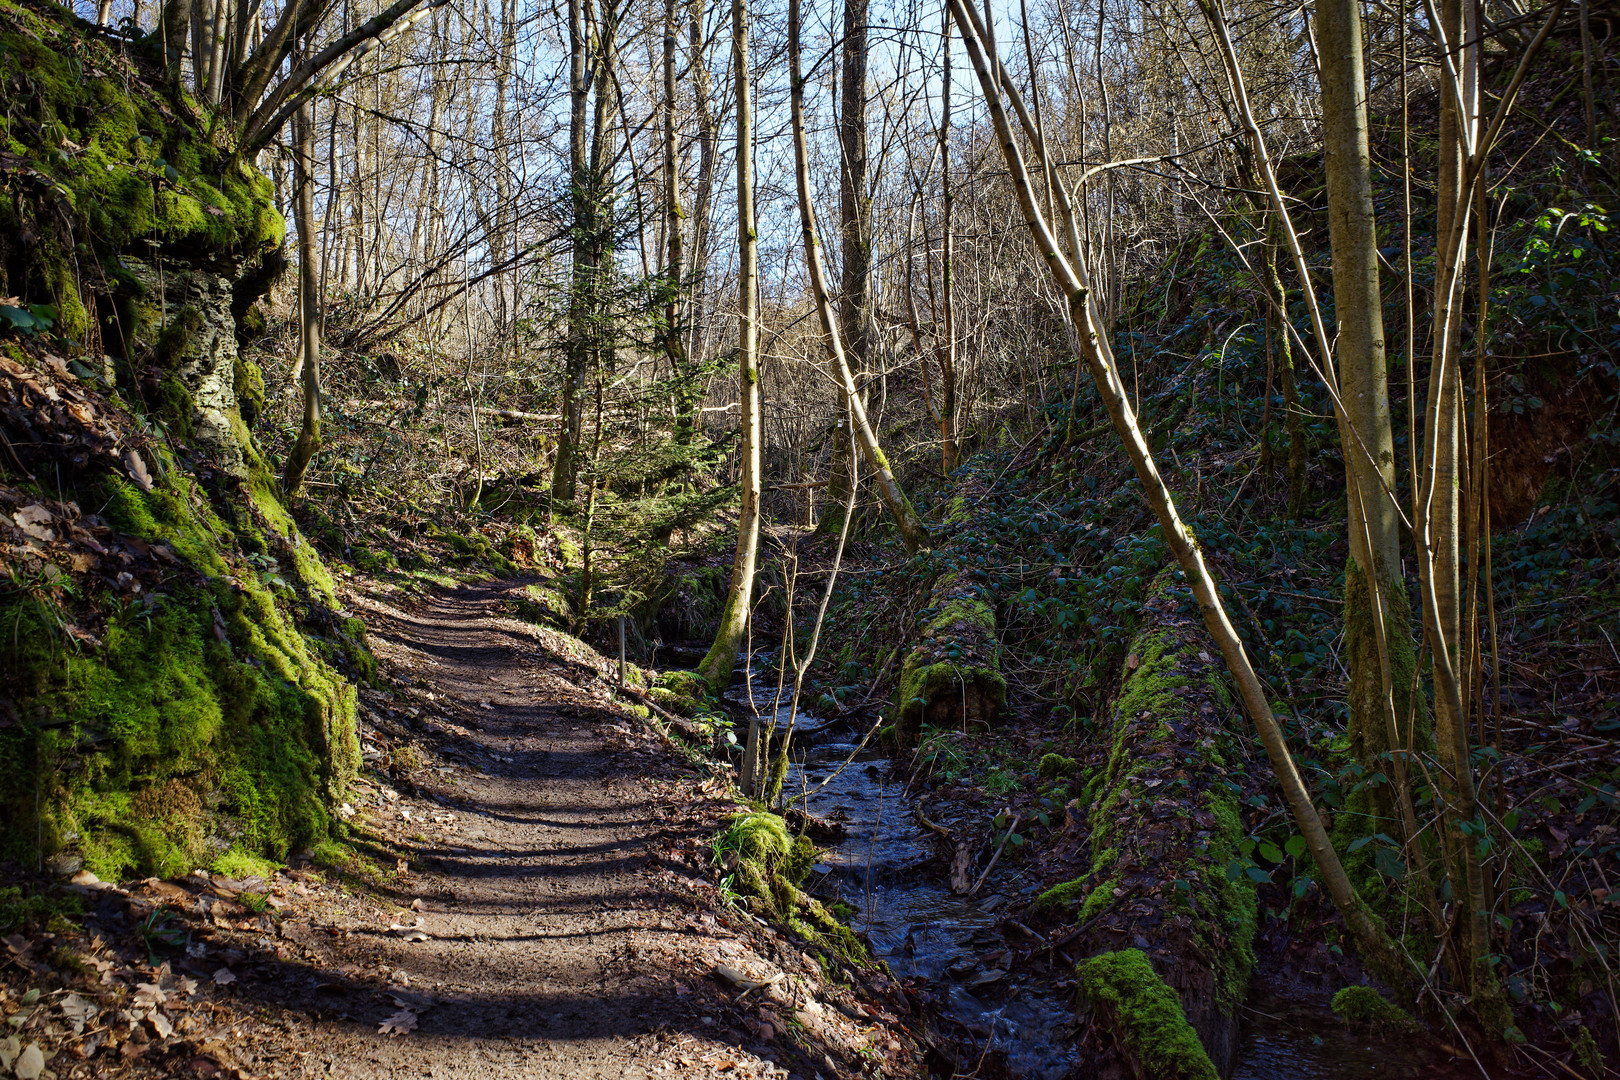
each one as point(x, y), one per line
point(722, 656)
point(855, 248)
point(581, 281)
point(708, 140)
point(947, 264)
point(675, 252)
point(913, 534)
point(1386, 717)
point(309, 437)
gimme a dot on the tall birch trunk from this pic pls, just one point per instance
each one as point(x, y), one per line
point(722, 656)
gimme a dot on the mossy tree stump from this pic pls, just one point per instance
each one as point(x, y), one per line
point(1165, 827)
point(952, 676)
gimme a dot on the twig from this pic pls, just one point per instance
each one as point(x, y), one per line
point(997, 856)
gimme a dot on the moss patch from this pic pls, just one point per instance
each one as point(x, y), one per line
point(767, 862)
point(1145, 1016)
point(204, 723)
point(1365, 1009)
point(953, 674)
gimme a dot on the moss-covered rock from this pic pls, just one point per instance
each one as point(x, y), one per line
point(1144, 1017)
point(1057, 767)
point(138, 223)
point(1365, 1009)
point(767, 863)
point(684, 693)
point(953, 674)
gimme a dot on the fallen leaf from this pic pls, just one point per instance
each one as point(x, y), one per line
point(162, 1026)
point(401, 1023)
point(30, 1063)
point(137, 470)
point(224, 977)
point(33, 519)
point(150, 994)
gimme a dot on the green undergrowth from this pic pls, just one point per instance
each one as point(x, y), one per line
point(1145, 1016)
point(767, 863)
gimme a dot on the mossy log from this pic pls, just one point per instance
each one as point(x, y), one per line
point(952, 676)
point(1164, 829)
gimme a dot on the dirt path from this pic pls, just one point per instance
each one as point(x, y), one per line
point(527, 890)
point(570, 924)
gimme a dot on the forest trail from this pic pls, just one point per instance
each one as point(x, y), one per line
point(563, 939)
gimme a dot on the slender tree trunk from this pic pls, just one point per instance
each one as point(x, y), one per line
point(675, 260)
point(912, 532)
point(947, 264)
point(722, 657)
point(1384, 717)
point(855, 244)
point(309, 436)
point(1439, 510)
point(581, 282)
point(708, 140)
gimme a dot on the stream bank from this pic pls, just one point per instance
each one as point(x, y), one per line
point(996, 973)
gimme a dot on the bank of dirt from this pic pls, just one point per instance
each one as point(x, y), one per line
point(528, 892)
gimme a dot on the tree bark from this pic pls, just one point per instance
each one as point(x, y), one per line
point(309, 437)
point(1384, 718)
point(576, 350)
point(913, 534)
point(722, 656)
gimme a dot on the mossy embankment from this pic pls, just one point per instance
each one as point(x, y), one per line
point(168, 702)
point(177, 672)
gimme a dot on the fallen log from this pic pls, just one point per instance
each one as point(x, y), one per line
point(1168, 929)
point(952, 676)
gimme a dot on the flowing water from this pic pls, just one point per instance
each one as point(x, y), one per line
point(926, 932)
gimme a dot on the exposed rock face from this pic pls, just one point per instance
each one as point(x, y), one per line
point(204, 357)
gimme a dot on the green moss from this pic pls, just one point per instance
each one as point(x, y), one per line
point(684, 693)
point(117, 159)
point(242, 865)
point(1145, 1016)
point(248, 382)
point(1365, 1009)
point(203, 723)
point(173, 405)
point(1056, 766)
point(956, 660)
point(1587, 1054)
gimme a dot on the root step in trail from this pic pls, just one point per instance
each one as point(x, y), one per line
point(560, 918)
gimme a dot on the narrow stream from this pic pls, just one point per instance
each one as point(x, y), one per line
point(926, 932)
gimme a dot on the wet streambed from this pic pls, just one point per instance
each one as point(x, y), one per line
point(913, 920)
